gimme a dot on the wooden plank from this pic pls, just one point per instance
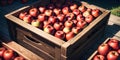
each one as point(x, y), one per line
point(37, 48)
point(57, 53)
point(115, 19)
point(22, 51)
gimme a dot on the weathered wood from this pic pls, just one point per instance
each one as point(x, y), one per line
point(51, 47)
point(86, 46)
point(96, 52)
point(85, 35)
point(21, 50)
point(38, 48)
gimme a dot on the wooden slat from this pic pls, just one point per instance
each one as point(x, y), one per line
point(37, 43)
point(35, 49)
point(22, 51)
point(57, 53)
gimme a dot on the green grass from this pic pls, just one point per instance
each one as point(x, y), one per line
point(116, 11)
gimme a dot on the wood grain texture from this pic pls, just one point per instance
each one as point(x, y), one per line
point(21, 50)
point(65, 48)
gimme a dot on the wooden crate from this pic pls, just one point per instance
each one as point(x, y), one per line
point(28, 55)
point(46, 49)
point(50, 46)
point(96, 52)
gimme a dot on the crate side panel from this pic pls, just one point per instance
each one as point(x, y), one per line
point(85, 37)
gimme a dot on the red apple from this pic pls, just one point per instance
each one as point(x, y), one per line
point(86, 13)
point(22, 15)
point(42, 9)
point(82, 8)
point(66, 29)
point(57, 25)
point(24, 1)
point(8, 54)
point(69, 35)
point(57, 11)
point(41, 17)
point(65, 10)
point(45, 23)
point(52, 19)
point(19, 58)
point(2, 50)
point(114, 44)
point(89, 18)
point(73, 6)
point(49, 29)
point(33, 12)
point(60, 34)
point(89, 10)
point(112, 55)
point(27, 19)
point(99, 57)
point(95, 12)
point(68, 24)
point(81, 24)
point(76, 30)
point(61, 17)
point(70, 16)
point(76, 12)
point(118, 51)
point(80, 17)
point(35, 23)
point(103, 49)
point(75, 22)
point(48, 12)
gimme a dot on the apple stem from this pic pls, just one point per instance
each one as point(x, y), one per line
point(98, 57)
point(113, 53)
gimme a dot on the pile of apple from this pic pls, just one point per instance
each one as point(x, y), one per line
point(108, 51)
point(63, 21)
point(8, 54)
